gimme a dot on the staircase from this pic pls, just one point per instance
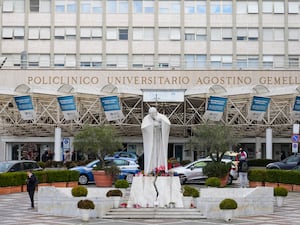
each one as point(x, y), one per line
point(154, 213)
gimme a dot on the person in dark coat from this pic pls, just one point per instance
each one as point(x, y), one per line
point(31, 185)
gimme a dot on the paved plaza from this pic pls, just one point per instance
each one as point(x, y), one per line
point(14, 211)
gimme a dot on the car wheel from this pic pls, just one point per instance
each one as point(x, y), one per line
point(83, 179)
point(229, 181)
point(182, 179)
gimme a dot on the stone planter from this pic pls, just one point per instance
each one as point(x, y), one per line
point(85, 214)
point(187, 200)
point(116, 201)
point(279, 200)
point(227, 215)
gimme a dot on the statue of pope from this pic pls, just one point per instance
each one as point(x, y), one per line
point(155, 129)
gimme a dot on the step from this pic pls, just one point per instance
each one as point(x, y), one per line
point(151, 213)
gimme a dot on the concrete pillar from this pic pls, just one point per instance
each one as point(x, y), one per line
point(258, 153)
point(269, 143)
point(57, 145)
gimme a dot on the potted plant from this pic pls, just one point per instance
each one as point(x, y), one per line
point(116, 195)
point(228, 205)
point(85, 206)
point(280, 194)
point(213, 182)
point(122, 185)
point(218, 169)
point(100, 141)
point(189, 193)
point(79, 191)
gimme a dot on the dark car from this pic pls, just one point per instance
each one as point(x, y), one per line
point(286, 164)
point(18, 166)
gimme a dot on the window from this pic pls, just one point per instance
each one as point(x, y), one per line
point(221, 61)
point(111, 34)
point(243, 61)
point(252, 7)
point(268, 62)
point(91, 6)
point(44, 61)
point(169, 6)
point(168, 61)
point(273, 7)
point(17, 6)
point(33, 60)
point(293, 34)
point(65, 6)
point(117, 61)
point(45, 33)
point(13, 33)
point(117, 6)
point(193, 34)
point(59, 33)
point(221, 7)
point(140, 61)
point(293, 7)
point(123, 34)
point(194, 61)
point(33, 33)
point(70, 60)
point(293, 61)
point(91, 61)
point(270, 34)
point(143, 6)
point(169, 34)
point(71, 33)
point(34, 5)
point(143, 34)
point(59, 60)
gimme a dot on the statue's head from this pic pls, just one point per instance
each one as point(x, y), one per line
point(153, 112)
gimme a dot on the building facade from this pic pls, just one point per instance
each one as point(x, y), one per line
point(170, 54)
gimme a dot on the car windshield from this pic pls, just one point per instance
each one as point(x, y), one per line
point(292, 158)
point(4, 166)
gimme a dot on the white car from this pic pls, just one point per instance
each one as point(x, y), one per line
point(194, 171)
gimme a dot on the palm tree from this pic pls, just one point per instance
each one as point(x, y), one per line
point(101, 140)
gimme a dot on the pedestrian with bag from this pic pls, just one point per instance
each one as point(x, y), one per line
point(31, 182)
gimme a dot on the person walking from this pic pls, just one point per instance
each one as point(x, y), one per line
point(243, 168)
point(31, 182)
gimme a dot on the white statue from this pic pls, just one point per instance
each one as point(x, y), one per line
point(155, 129)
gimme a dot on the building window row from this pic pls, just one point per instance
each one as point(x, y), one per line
point(148, 6)
point(190, 61)
point(147, 34)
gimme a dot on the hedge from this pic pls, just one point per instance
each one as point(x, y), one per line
point(19, 178)
point(274, 176)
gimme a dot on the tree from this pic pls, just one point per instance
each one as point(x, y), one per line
point(216, 139)
point(101, 140)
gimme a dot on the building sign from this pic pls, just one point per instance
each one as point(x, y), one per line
point(258, 108)
point(25, 107)
point(68, 107)
point(112, 108)
point(296, 108)
point(215, 108)
point(163, 96)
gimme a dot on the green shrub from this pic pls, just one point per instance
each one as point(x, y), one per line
point(228, 203)
point(216, 169)
point(257, 175)
point(85, 204)
point(114, 192)
point(79, 191)
point(190, 191)
point(213, 182)
point(121, 184)
point(280, 191)
point(273, 175)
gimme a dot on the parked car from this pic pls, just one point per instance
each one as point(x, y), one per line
point(194, 171)
point(128, 155)
point(19, 166)
point(127, 167)
point(286, 164)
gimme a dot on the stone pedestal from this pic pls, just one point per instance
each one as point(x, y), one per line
point(143, 192)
